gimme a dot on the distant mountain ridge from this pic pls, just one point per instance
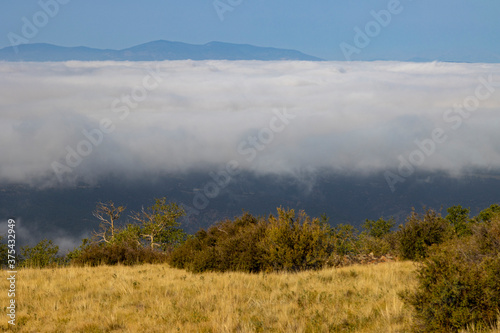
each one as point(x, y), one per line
point(152, 51)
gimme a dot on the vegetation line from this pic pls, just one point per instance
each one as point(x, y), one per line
point(453, 287)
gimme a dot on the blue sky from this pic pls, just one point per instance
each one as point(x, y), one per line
point(461, 29)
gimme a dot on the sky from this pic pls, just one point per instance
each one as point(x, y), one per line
point(456, 29)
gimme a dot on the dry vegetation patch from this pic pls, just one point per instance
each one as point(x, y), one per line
point(157, 298)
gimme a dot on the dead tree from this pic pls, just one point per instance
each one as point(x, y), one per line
point(107, 213)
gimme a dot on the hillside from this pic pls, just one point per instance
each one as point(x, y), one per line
point(152, 51)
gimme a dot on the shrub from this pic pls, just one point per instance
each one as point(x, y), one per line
point(126, 253)
point(4, 252)
point(379, 228)
point(487, 237)
point(458, 284)
point(345, 240)
point(71, 256)
point(227, 245)
point(192, 255)
point(41, 255)
point(238, 247)
point(420, 232)
point(375, 245)
point(286, 242)
point(459, 220)
point(488, 214)
point(376, 237)
point(294, 243)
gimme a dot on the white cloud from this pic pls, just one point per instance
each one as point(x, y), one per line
point(350, 117)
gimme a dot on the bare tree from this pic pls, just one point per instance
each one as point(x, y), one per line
point(107, 213)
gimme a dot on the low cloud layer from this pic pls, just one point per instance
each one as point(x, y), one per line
point(82, 121)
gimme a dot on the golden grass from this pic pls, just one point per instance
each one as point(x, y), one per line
point(157, 298)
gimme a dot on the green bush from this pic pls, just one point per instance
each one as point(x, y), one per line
point(458, 284)
point(376, 237)
point(41, 255)
point(459, 220)
point(379, 228)
point(4, 252)
point(345, 240)
point(125, 253)
point(71, 256)
point(488, 214)
point(487, 237)
point(238, 247)
point(294, 243)
point(227, 245)
point(286, 242)
point(375, 245)
point(420, 232)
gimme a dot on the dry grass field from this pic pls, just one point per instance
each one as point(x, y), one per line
point(157, 298)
